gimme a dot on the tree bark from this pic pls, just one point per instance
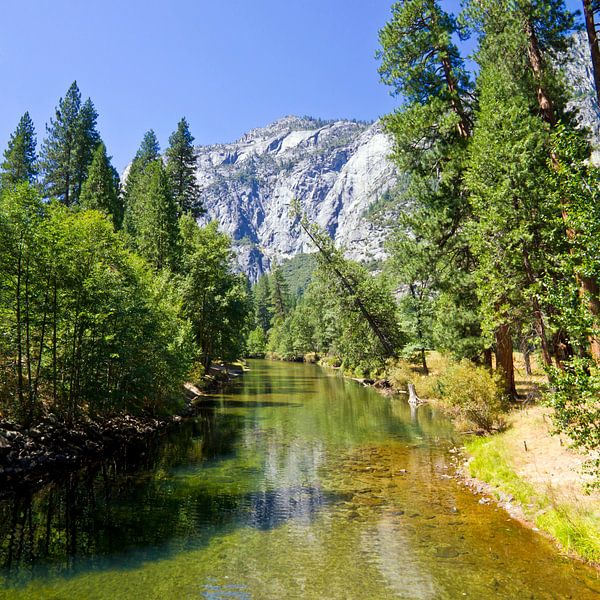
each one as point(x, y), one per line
point(589, 291)
point(504, 359)
point(590, 25)
point(464, 129)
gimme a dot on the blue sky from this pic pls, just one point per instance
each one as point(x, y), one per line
point(227, 65)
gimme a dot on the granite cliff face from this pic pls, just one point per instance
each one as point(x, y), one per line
point(577, 67)
point(335, 169)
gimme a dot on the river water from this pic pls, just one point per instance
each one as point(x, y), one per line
point(296, 483)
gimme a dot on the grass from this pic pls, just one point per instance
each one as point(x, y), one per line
point(576, 529)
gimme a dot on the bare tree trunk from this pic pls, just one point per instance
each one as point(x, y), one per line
point(504, 359)
point(385, 343)
point(526, 355)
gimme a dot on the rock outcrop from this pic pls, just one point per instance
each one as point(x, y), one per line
point(337, 170)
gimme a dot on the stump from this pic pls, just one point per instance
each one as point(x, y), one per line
point(413, 399)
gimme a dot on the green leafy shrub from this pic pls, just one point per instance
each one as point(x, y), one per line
point(256, 345)
point(473, 395)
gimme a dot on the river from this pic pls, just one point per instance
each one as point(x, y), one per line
point(296, 483)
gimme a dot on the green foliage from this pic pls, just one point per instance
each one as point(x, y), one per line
point(280, 296)
point(152, 217)
point(297, 272)
point(95, 322)
point(100, 190)
point(256, 345)
point(263, 310)
point(215, 300)
point(574, 396)
point(87, 328)
point(473, 394)
point(20, 160)
point(181, 170)
point(69, 146)
point(415, 42)
point(148, 152)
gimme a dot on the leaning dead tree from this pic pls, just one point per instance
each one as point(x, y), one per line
point(332, 258)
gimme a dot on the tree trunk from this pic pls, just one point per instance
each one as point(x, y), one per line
point(590, 25)
point(526, 355)
point(487, 358)
point(504, 359)
point(464, 130)
point(385, 343)
point(540, 326)
point(588, 287)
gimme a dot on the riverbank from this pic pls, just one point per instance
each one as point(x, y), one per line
point(33, 455)
point(539, 479)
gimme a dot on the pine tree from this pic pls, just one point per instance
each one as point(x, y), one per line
point(431, 132)
point(263, 310)
point(148, 152)
point(181, 163)
point(280, 297)
point(154, 218)
point(87, 139)
point(69, 146)
point(59, 148)
point(100, 190)
point(20, 160)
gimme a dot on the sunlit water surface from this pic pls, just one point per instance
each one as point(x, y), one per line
point(294, 484)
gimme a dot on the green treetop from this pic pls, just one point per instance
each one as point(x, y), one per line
point(100, 190)
point(148, 152)
point(68, 148)
point(154, 218)
point(181, 163)
point(20, 160)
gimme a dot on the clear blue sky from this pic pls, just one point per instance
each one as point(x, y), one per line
point(227, 65)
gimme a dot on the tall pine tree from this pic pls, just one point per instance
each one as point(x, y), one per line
point(100, 190)
point(181, 169)
point(87, 139)
point(68, 148)
point(153, 218)
point(20, 160)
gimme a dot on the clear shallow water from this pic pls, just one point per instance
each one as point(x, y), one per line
point(295, 484)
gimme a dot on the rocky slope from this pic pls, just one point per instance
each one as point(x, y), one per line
point(336, 169)
point(577, 67)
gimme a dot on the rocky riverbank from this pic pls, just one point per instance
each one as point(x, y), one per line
point(35, 454)
point(29, 455)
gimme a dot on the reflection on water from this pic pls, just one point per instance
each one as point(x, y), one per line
point(295, 484)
